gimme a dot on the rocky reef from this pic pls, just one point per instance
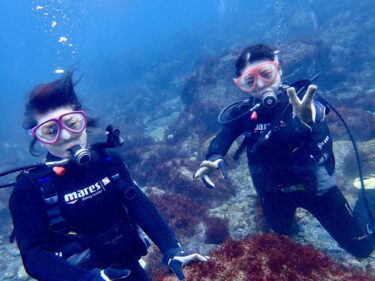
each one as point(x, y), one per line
point(167, 138)
point(267, 257)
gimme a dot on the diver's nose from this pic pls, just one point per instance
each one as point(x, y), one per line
point(260, 83)
point(65, 134)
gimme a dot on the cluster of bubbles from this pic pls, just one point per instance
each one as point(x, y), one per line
point(54, 19)
point(280, 24)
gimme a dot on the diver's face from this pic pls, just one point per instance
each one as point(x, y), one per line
point(259, 77)
point(67, 137)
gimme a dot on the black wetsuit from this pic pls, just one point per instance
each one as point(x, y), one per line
point(99, 218)
point(294, 168)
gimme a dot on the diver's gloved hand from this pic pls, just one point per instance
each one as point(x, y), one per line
point(303, 109)
point(108, 274)
point(177, 258)
point(215, 162)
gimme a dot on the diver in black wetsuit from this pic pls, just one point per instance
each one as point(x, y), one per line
point(81, 223)
point(290, 158)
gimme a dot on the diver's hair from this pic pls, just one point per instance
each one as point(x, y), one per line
point(50, 96)
point(252, 54)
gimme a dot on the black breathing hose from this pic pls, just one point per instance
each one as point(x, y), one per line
point(80, 156)
point(363, 189)
point(11, 171)
point(358, 160)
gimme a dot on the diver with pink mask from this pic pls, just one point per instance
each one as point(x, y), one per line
point(80, 216)
point(289, 150)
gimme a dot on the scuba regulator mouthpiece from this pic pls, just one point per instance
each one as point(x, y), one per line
point(80, 156)
point(269, 99)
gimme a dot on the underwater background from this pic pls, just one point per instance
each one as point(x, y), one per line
point(161, 71)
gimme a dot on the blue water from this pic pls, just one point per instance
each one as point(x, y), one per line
point(121, 46)
point(114, 43)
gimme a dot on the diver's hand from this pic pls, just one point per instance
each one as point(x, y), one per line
point(108, 274)
point(215, 162)
point(304, 109)
point(182, 258)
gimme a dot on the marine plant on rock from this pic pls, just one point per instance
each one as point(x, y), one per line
point(267, 257)
point(216, 230)
point(187, 219)
point(359, 121)
point(181, 213)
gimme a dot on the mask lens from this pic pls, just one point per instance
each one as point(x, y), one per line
point(74, 122)
point(267, 72)
point(48, 131)
point(247, 82)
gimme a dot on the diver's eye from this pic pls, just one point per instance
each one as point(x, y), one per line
point(73, 121)
point(48, 130)
point(248, 80)
point(267, 72)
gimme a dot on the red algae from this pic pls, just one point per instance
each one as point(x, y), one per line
point(173, 208)
point(268, 257)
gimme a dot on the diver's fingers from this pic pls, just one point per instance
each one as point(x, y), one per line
point(293, 99)
point(309, 96)
point(208, 182)
point(191, 257)
point(206, 163)
point(211, 164)
point(200, 257)
point(201, 171)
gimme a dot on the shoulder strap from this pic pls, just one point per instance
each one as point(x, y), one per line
point(126, 185)
point(44, 181)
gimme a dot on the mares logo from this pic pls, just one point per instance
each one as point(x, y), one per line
point(324, 142)
point(87, 192)
point(260, 127)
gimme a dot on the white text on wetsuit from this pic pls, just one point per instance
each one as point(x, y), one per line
point(321, 144)
point(260, 127)
point(87, 192)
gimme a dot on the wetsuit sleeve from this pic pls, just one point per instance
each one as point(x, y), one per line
point(319, 144)
point(224, 139)
point(318, 139)
point(31, 225)
point(320, 111)
point(143, 212)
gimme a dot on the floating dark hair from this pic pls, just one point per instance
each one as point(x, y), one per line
point(50, 96)
point(253, 53)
